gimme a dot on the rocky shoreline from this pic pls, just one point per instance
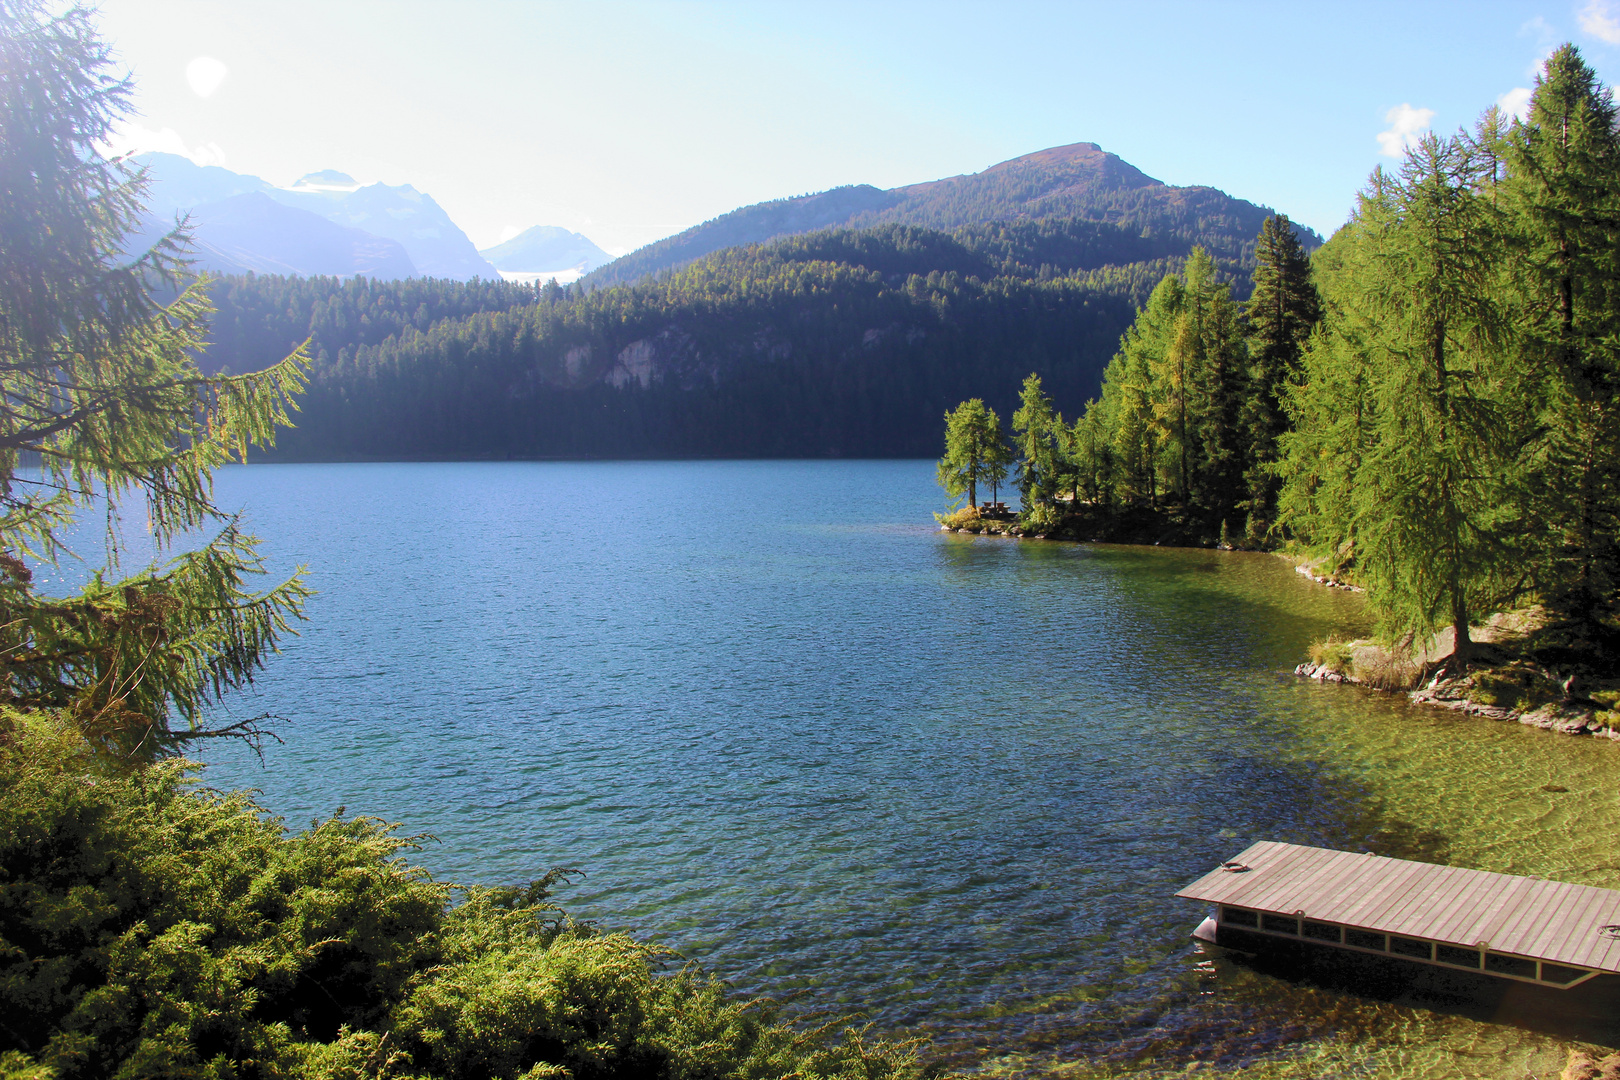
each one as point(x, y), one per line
point(1306, 570)
point(1565, 717)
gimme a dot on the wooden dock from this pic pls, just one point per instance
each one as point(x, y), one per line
point(1522, 928)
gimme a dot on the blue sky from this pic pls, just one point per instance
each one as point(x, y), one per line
point(631, 121)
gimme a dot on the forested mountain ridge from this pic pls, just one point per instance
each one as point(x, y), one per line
point(840, 341)
point(1076, 181)
point(262, 317)
point(836, 343)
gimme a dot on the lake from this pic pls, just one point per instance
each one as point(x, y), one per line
point(786, 727)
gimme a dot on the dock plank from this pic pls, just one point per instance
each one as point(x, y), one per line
point(1559, 922)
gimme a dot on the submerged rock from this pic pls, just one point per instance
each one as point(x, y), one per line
point(1583, 1066)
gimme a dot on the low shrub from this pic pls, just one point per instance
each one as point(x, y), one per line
point(151, 928)
point(966, 517)
point(1335, 654)
point(1386, 667)
point(1040, 518)
point(1608, 711)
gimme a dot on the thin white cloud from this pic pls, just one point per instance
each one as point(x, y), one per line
point(132, 138)
point(1516, 103)
point(204, 75)
point(1547, 39)
point(1601, 19)
point(1406, 126)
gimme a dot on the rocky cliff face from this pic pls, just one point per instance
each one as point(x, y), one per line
point(675, 359)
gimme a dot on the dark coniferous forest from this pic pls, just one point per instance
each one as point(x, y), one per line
point(844, 342)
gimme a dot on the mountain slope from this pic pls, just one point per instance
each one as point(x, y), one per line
point(1077, 181)
point(399, 215)
point(834, 343)
point(436, 245)
point(253, 232)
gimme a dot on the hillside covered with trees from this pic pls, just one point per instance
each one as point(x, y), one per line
point(1077, 181)
point(1430, 405)
point(844, 342)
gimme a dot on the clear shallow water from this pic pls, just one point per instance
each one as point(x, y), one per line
point(791, 730)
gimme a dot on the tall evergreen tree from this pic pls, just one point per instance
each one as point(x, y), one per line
point(1088, 452)
point(1281, 312)
point(1431, 501)
point(976, 452)
point(1036, 433)
point(99, 386)
point(1562, 191)
point(1131, 399)
point(1222, 388)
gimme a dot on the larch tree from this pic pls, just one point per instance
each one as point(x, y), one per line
point(1432, 506)
point(976, 452)
point(102, 404)
point(1221, 441)
point(1036, 435)
point(1561, 195)
point(1132, 399)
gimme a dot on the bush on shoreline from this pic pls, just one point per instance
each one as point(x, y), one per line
point(150, 927)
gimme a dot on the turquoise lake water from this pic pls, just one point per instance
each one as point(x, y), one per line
point(789, 729)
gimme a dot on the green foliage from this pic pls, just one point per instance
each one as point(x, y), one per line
point(1282, 311)
point(1560, 182)
point(1431, 503)
point(262, 317)
point(100, 388)
point(976, 452)
point(149, 928)
point(1455, 425)
point(845, 342)
point(1335, 654)
point(960, 518)
point(1037, 436)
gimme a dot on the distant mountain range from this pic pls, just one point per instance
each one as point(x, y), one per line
point(328, 224)
point(325, 224)
point(838, 324)
point(545, 250)
point(1077, 181)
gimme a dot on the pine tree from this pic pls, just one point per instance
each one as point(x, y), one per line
point(1281, 313)
point(100, 387)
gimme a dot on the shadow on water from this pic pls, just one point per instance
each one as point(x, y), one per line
point(1589, 1013)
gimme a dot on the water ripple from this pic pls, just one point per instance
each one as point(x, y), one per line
point(789, 729)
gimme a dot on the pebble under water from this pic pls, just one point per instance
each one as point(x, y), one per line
point(791, 730)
